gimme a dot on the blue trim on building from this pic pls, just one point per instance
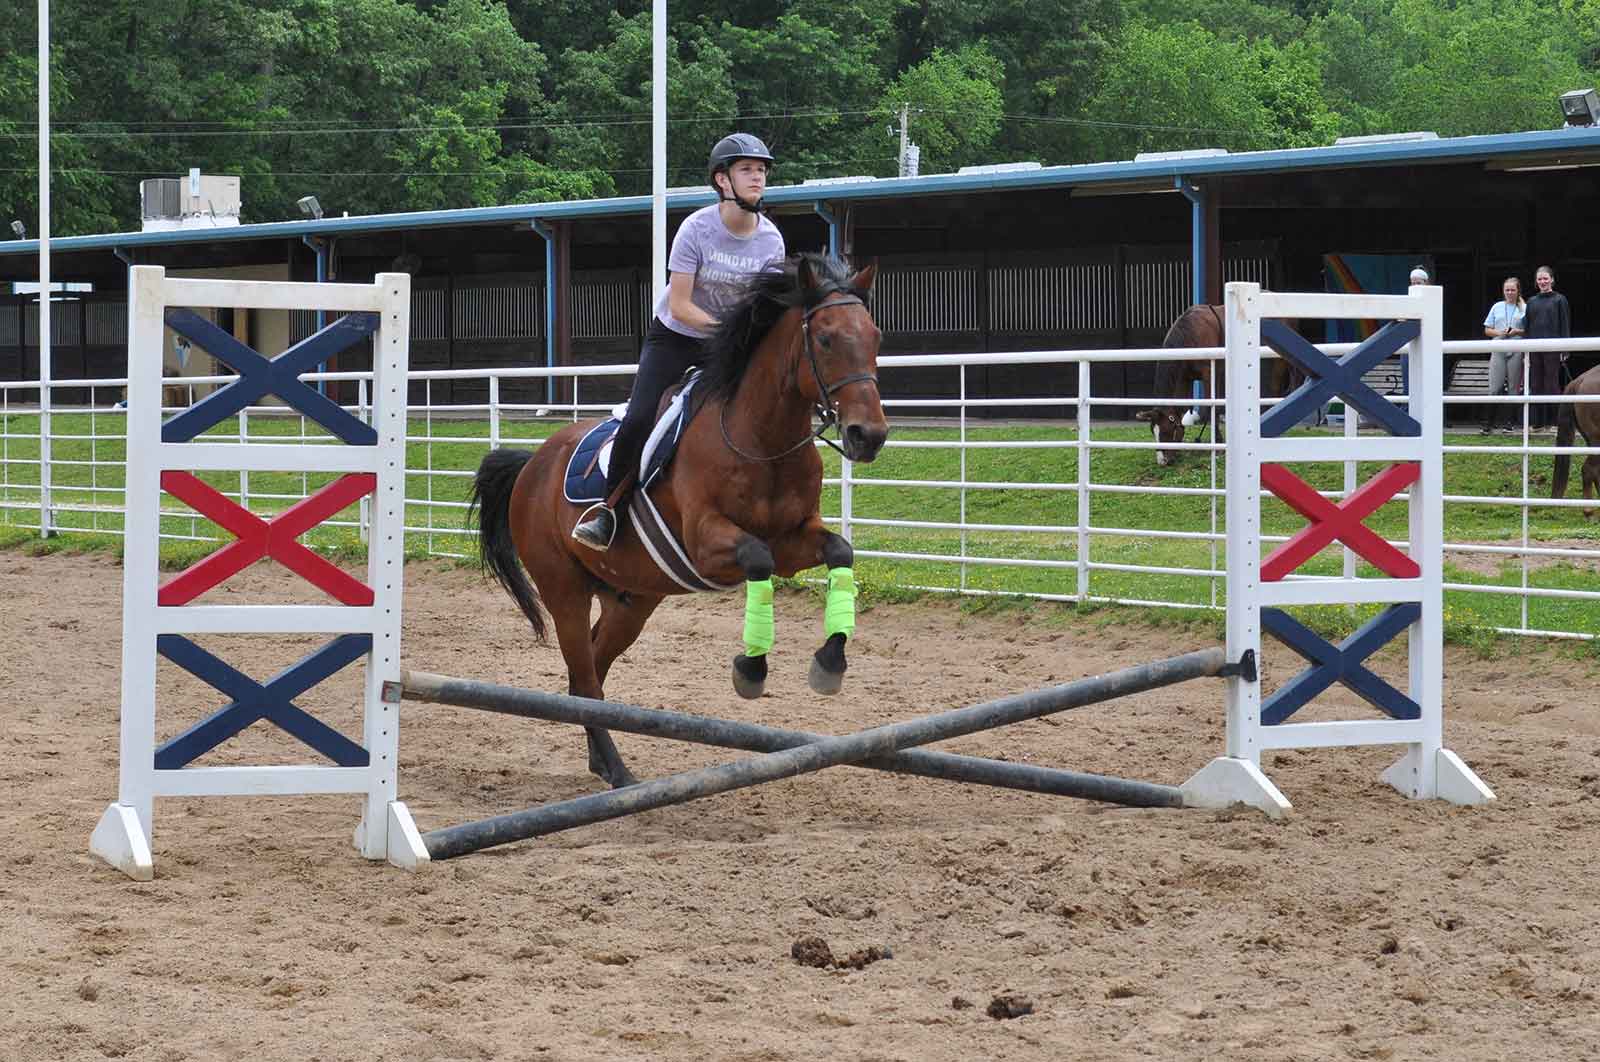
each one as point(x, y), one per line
point(1568, 146)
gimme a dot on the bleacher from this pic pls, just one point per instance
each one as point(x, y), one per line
point(1468, 376)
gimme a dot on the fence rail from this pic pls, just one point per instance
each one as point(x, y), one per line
point(1056, 510)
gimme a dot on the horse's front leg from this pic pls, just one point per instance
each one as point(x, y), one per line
point(803, 550)
point(715, 544)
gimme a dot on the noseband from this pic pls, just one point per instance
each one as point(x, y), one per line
point(826, 411)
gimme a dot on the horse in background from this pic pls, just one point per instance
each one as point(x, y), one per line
point(1201, 325)
point(1585, 418)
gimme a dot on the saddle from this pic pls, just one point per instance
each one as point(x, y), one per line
point(585, 479)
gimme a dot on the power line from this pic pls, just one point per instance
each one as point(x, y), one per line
point(324, 128)
point(1099, 124)
point(824, 164)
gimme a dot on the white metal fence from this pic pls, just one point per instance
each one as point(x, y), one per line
point(1070, 529)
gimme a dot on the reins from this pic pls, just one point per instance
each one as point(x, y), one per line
point(826, 411)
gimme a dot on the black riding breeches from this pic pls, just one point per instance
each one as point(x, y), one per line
point(664, 358)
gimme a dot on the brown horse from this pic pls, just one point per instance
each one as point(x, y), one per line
point(741, 495)
point(1201, 325)
point(1585, 417)
point(1198, 326)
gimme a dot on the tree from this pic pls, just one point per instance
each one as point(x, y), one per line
point(1181, 86)
point(810, 82)
point(955, 99)
point(606, 94)
point(1053, 53)
point(1360, 65)
point(1483, 67)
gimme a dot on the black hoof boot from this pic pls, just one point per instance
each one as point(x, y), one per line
point(749, 675)
point(827, 666)
point(605, 761)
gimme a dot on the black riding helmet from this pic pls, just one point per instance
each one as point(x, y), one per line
point(731, 149)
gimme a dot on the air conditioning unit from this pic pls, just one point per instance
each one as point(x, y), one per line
point(198, 201)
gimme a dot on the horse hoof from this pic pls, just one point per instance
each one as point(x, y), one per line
point(749, 676)
point(824, 681)
point(827, 667)
point(605, 762)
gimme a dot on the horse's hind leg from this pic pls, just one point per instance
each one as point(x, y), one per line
point(1591, 481)
point(622, 617)
point(568, 600)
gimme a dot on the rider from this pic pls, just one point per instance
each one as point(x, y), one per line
point(716, 250)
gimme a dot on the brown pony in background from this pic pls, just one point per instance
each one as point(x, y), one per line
point(1585, 418)
point(1199, 326)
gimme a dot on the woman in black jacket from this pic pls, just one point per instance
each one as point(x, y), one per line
point(1548, 317)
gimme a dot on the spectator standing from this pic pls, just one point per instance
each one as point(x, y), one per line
point(1548, 317)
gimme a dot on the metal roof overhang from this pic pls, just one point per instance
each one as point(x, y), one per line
point(1510, 151)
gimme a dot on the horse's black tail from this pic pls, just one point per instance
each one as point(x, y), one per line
point(497, 554)
point(1565, 422)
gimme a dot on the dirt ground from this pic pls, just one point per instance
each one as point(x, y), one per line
point(1364, 926)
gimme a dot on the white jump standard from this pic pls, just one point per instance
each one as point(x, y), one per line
point(1413, 587)
point(158, 619)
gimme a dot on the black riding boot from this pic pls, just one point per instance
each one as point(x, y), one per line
point(597, 527)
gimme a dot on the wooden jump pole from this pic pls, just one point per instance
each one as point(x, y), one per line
point(876, 744)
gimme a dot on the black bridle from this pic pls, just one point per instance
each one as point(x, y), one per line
point(826, 411)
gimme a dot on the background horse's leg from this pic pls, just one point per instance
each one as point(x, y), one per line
point(1591, 481)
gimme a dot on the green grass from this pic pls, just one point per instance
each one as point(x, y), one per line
point(433, 462)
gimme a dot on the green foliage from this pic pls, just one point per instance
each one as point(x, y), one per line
point(1241, 95)
point(392, 105)
point(957, 102)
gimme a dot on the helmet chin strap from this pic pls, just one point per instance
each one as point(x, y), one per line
point(758, 207)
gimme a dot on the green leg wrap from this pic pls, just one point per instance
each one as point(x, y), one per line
point(757, 617)
point(839, 613)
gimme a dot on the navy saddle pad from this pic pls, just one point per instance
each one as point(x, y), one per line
point(586, 470)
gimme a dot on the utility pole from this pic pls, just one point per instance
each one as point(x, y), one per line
point(904, 109)
point(658, 149)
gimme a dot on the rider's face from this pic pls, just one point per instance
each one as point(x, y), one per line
point(748, 178)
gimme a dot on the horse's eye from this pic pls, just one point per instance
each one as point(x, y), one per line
point(825, 342)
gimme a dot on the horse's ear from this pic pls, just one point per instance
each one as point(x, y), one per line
point(806, 275)
point(862, 281)
point(1146, 415)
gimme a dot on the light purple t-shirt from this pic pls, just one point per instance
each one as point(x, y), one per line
point(720, 262)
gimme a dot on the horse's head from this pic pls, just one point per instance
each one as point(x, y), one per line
point(839, 351)
point(1166, 424)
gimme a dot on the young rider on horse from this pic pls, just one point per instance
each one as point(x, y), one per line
point(713, 255)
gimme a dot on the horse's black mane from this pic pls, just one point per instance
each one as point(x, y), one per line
point(768, 297)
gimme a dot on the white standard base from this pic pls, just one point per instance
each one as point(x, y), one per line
point(402, 843)
point(1449, 780)
point(120, 841)
point(1227, 781)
